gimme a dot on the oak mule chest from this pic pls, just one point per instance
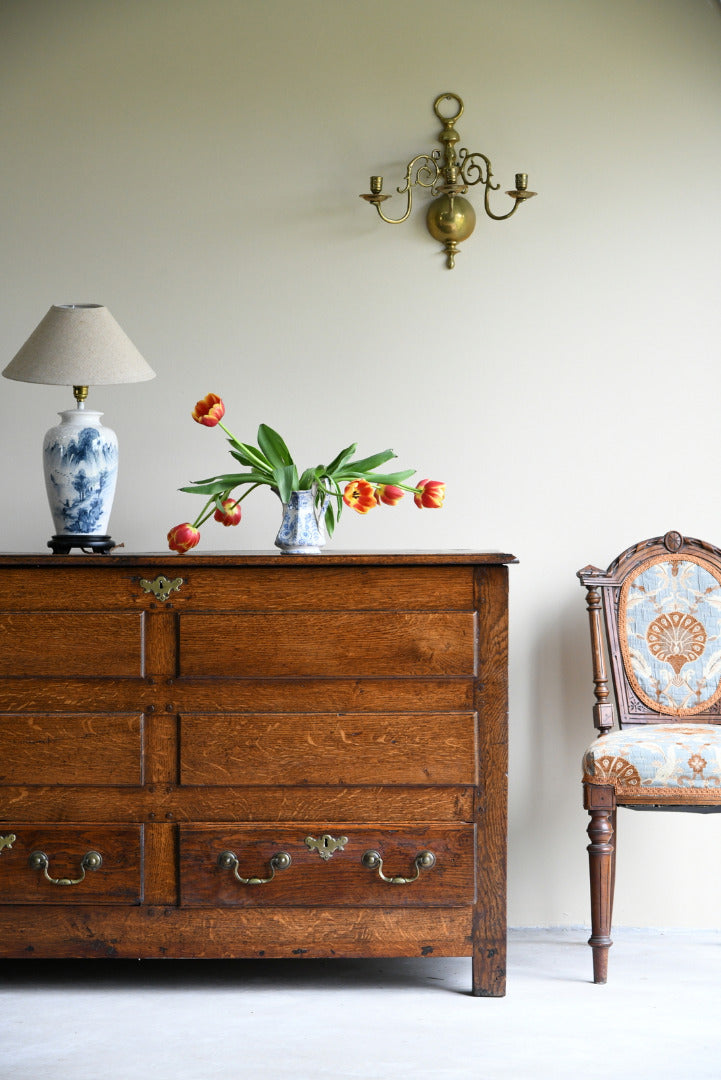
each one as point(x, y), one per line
point(254, 756)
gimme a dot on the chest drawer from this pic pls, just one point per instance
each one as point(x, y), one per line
point(380, 866)
point(69, 864)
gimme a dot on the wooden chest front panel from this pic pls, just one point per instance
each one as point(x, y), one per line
point(256, 704)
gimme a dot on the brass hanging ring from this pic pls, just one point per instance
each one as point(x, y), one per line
point(439, 114)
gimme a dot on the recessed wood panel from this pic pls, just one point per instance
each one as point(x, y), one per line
point(289, 587)
point(67, 748)
point(56, 643)
point(352, 644)
point(117, 881)
point(340, 879)
point(353, 748)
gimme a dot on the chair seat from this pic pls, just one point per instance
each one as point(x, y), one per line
point(679, 762)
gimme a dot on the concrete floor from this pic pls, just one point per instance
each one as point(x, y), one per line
point(658, 1016)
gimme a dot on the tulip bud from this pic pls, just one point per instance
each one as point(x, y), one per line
point(230, 514)
point(183, 537)
point(430, 494)
point(389, 494)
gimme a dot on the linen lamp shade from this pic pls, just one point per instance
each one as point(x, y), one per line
point(78, 345)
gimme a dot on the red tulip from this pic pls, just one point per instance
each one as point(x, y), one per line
point(209, 411)
point(430, 495)
point(389, 494)
point(230, 514)
point(183, 537)
point(359, 495)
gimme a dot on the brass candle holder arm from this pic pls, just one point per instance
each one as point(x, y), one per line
point(426, 175)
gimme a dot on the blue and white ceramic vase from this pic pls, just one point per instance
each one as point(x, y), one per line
point(301, 530)
point(80, 457)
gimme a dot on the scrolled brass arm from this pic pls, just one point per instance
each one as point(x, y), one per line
point(426, 175)
point(424, 860)
point(91, 860)
point(471, 169)
point(227, 860)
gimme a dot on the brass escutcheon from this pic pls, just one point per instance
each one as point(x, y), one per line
point(326, 845)
point(7, 841)
point(161, 587)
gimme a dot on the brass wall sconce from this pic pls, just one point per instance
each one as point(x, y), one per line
point(451, 217)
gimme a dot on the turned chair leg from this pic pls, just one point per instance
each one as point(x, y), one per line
point(601, 805)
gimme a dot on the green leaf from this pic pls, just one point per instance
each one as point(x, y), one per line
point(309, 477)
point(329, 520)
point(209, 488)
point(273, 446)
point(356, 468)
point(389, 478)
point(215, 484)
point(286, 478)
point(341, 459)
point(333, 483)
point(250, 455)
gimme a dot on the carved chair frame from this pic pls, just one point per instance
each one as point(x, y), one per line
point(603, 597)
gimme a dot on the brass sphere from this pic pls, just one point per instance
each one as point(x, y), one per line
point(450, 217)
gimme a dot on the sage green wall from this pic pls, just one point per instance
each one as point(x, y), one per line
point(195, 166)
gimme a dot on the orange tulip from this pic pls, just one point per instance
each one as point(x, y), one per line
point(389, 494)
point(359, 495)
point(230, 514)
point(183, 537)
point(209, 411)
point(430, 495)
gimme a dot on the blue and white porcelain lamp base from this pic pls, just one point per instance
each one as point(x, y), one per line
point(80, 458)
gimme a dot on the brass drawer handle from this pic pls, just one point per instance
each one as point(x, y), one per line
point(91, 860)
point(424, 860)
point(227, 860)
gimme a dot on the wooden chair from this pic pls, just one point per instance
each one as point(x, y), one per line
point(661, 602)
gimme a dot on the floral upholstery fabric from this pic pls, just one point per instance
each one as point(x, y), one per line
point(669, 624)
point(674, 761)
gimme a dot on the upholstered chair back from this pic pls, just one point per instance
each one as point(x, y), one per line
point(662, 606)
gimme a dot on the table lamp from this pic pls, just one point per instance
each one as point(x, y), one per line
point(79, 345)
